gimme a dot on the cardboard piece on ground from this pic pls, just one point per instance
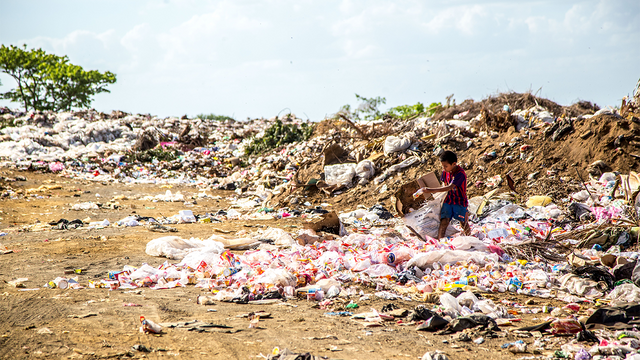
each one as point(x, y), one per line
point(334, 154)
point(330, 223)
point(404, 195)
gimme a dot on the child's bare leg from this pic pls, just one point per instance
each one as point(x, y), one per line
point(442, 229)
point(466, 229)
point(465, 225)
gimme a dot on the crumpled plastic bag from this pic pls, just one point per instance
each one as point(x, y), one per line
point(395, 144)
point(467, 299)
point(175, 247)
point(339, 174)
point(277, 277)
point(581, 287)
point(625, 293)
point(469, 243)
point(425, 260)
point(365, 169)
point(144, 271)
point(380, 270)
point(279, 237)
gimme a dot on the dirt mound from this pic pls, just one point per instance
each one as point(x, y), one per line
point(538, 164)
point(495, 104)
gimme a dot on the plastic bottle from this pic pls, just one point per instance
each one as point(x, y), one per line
point(149, 326)
point(397, 256)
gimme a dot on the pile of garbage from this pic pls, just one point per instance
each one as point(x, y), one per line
point(553, 203)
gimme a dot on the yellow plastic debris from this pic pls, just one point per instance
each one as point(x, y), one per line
point(538, 201)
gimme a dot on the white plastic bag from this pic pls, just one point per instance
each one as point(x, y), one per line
point(395, 144)
point(467, 299)
point(175, 247)
point(339, 174)
point(393, 168)
point(576, 285)
point(426, 220)
point(279, 237)
point(365, 169)
point(278, 277)
point(143, 272)
point(424, 260)
point(469, 243)
point(450, 303)
point(625, 293)
point(380, 270)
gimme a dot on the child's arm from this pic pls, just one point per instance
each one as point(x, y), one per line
point(426, 190)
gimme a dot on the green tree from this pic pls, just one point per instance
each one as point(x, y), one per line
point(50, 82)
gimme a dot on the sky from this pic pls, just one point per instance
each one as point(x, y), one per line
point(261, 58)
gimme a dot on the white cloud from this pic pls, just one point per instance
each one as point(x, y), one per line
point(254, 58)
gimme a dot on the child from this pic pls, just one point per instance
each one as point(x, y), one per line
point(456, 202)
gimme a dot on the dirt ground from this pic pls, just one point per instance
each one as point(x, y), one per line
point(93, 323)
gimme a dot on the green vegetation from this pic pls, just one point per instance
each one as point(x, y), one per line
point(410, 111)
point(50, 82)
point(277, 135)
point(214, 117)
point(369, 110)
point(369, 107)
point(4, 122)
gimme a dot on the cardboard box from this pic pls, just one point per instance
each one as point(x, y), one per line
point(404, 196)
point(425, 217)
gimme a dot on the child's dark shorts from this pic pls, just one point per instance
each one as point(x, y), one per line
point(457, 212)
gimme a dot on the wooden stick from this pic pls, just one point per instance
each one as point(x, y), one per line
point(355, 127)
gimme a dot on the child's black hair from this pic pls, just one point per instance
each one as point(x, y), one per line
point(449, 156)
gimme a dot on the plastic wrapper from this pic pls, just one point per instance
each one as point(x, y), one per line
point(566, 326)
